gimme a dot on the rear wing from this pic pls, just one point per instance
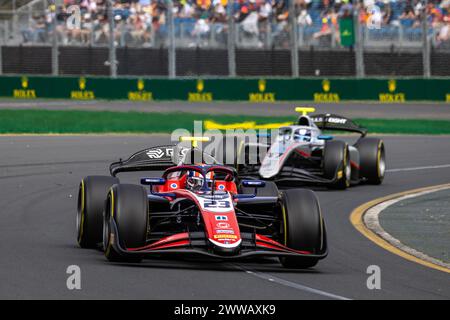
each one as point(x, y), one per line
point(337, 123)
point(161, 158)
point(152, 159)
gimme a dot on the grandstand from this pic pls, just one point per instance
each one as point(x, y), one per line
point(204, 22)
point(385, 25)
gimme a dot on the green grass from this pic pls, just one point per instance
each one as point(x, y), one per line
point(61, 121)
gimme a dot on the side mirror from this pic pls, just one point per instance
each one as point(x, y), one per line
point(326, 138)
point(250, 184)
point(153, 181)
point(253, 183)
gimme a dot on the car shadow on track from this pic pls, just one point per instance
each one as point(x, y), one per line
point(255, 265)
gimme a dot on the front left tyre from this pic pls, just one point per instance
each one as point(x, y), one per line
point(303, 227)
point(127, 207)
point(92, 194)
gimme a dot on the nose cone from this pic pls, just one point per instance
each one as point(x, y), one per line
point(225, 234)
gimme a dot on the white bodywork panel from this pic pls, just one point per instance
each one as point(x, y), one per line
point(286, 143)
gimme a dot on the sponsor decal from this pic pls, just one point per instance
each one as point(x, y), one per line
point(221, 187)
point(223, 225)
point(174, 185)
point(221, 218)
point(326, 95)
point(200, 95)
point(215, 196)
point(82, 93)
point(141, 94)
point(155, 153)
point(330, 120)
point(225, 236)
point(337, 120)
point(392, 95)
point(262, 95)
point(25, 92)
point(169, 152)
point(227, 231)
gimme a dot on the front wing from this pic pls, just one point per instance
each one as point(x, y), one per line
point(290, 175)
point(193, 244)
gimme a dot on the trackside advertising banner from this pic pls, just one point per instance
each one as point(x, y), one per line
point(206, 90)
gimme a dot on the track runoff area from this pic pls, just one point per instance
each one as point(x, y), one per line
point(49, 168)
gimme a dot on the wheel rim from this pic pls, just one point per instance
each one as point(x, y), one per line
point(381, 162)
point(106, 233)
point(348, 171)
point(80, 211)
point(283, 213)
point(106, 224)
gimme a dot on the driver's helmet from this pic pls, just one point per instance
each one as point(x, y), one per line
point(194, 181)
point(302, 135)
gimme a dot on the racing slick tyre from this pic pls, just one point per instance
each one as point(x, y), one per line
point(372, 159)
point(126, 206)
point(91, 202)
point(269, 190)
point(336, 164)
point(303, 226)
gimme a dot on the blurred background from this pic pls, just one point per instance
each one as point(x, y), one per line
point(221, 38)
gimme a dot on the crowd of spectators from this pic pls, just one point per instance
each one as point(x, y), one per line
point(259, 22)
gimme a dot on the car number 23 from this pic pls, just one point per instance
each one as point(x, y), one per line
point(217, 204)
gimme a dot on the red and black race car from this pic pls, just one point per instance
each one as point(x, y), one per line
point(197, 210)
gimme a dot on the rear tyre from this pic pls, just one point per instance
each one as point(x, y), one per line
point(91, 202)
point(372, 160)
point(303, 226)
point(336, 164)
point(269, 190)
point(127, 206)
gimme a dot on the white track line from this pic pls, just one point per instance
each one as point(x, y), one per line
point(291, 284)
point(419, 168)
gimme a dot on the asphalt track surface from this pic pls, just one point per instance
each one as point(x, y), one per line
point(39, 177)
point(410, 110)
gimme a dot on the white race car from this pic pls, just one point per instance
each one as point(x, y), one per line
point(302, 154)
